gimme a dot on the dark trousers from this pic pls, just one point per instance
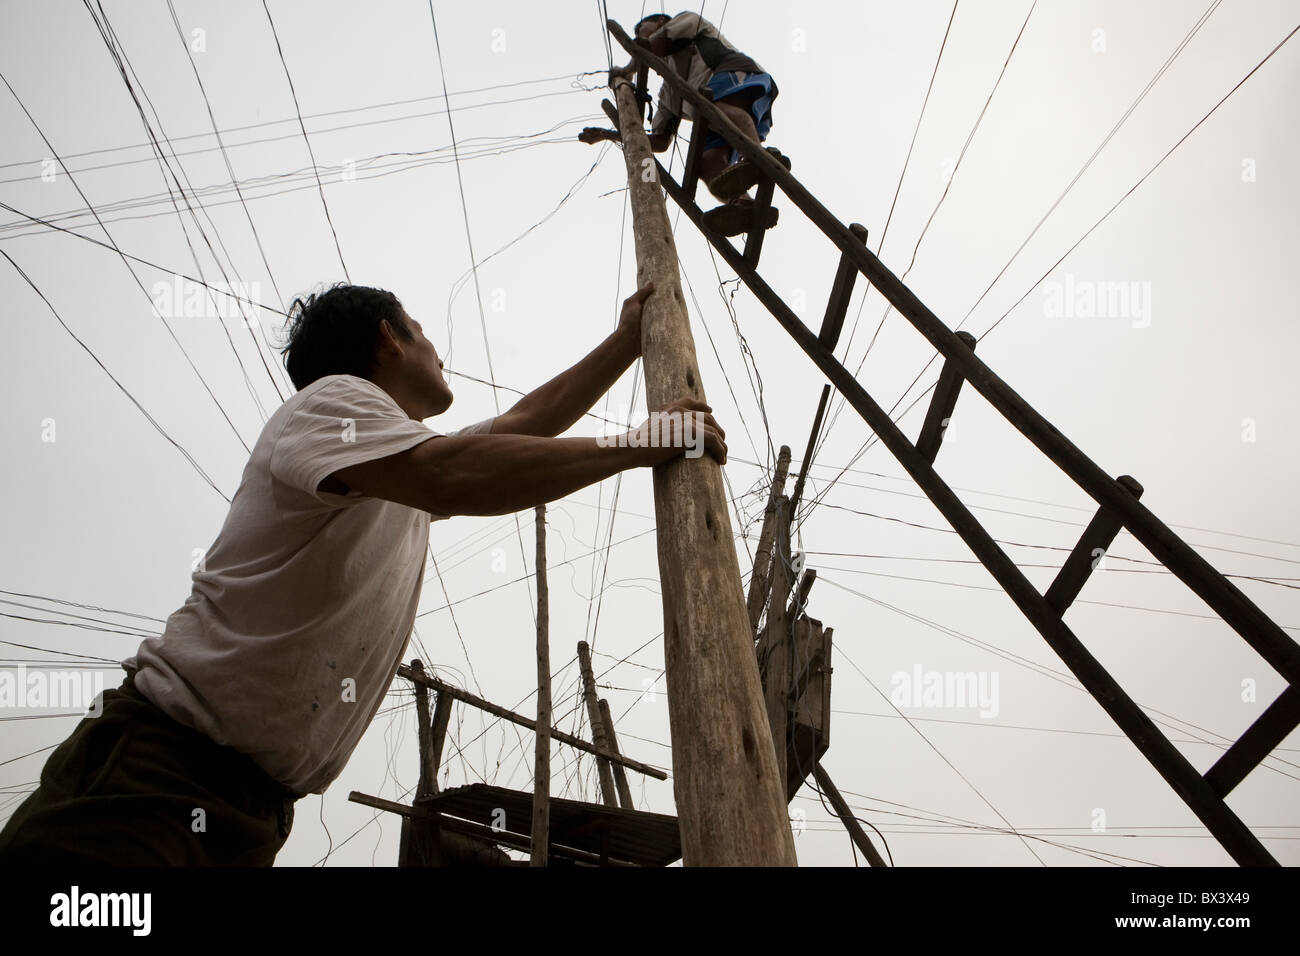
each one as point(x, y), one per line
point(133, 787)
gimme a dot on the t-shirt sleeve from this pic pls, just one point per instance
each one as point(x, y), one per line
point(679, 31)
point(344, 423)
point(478, 428)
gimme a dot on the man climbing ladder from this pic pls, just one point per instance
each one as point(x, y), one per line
point(743, 90)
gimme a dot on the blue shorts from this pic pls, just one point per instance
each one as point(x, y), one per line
point(722, 85)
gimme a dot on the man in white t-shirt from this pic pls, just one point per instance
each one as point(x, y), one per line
point(263, 682)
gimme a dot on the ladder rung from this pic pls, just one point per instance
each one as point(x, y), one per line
point(1269, 730)
point(841, 290)
point(942, 404)
point(757, 229)
point(1079, 565)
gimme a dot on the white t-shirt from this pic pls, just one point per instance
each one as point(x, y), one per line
point(301, 609)
point(696, 50)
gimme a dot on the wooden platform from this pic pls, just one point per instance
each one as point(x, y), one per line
point(612, 834)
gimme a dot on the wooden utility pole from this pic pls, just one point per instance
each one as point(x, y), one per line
point(424, 732)
point(761, 580)
point(777, 664)
point(417, 845)
point(422, 841)
point(598, 735)
point(730, 799)
point(845, 812)
point(620, 774)
point(542, 758)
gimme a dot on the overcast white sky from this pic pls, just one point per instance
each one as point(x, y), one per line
point(1194, 392)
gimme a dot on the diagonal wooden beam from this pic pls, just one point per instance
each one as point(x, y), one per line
point(556, 734)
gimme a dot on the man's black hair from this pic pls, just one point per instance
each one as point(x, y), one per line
point(335, 332)
point(647, 19)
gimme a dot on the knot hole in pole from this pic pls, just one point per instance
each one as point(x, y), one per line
point(747, 741)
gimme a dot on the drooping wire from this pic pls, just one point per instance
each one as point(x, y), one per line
point(102, 151)
point(934, 212)
point(469, 239)
point(257, 239)
point(124, 66)
point(320, 188)
point(125, 261)
point(1195, 28)
point(134, 401)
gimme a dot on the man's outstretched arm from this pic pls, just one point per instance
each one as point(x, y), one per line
point(659, 142)
point(664, 129)
point(501, 474)
point(551, 409)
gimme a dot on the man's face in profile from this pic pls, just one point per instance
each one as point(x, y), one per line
point(424, 368)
